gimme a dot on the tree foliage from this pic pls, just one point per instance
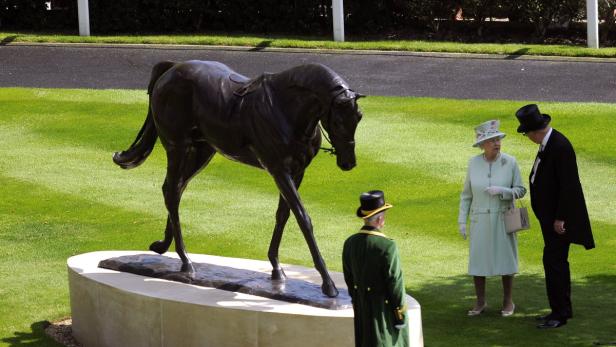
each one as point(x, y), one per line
point(306, 17)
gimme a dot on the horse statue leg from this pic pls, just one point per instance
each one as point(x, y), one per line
point(183, 163)
point(289, 191)
point(282, 215)
point(162, 246)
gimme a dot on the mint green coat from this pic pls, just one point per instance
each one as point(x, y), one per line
point(492, 250)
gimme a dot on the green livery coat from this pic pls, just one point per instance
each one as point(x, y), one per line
point(372, 272)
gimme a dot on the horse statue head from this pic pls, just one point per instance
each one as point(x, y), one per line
point(340, 122)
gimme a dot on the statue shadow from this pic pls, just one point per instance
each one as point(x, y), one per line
point(36, 337)
point(261, 46)
point(5, 41)
point(444, 303)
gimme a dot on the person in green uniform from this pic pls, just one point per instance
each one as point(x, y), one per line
point(373, 274)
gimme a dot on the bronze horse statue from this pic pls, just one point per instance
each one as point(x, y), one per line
point(198, 108)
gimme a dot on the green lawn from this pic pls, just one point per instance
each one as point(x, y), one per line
point(258, 42)
point(62, 195)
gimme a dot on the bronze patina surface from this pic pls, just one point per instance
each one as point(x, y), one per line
point(200, 108)
point(228, 278)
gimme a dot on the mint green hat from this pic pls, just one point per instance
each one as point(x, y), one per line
point(486, 131)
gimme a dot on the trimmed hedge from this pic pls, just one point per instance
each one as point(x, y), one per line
point(306, 17)
point(33, 15)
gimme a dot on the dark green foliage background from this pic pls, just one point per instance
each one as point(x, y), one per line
point(309, 17)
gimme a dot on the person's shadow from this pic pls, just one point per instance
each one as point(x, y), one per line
point(36, 337)
point(444, 303)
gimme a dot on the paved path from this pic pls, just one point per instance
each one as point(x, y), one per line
point(372, 74)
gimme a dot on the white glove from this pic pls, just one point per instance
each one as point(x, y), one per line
point(495, 190)
point(462, 229)
point(399, 326)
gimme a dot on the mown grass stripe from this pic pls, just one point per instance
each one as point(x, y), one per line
point(357, 43)
point(62, 195)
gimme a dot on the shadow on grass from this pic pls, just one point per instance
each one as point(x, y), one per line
point(445, 302)
point(8, 39)
point(515, 55)
point(36, 337)
point(262, 45)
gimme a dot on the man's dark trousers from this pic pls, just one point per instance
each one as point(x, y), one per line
point(557, 275)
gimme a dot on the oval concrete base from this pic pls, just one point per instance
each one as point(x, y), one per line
point(111, 308)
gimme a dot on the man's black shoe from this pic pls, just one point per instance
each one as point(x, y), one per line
point(543, 318)
point(551, 324)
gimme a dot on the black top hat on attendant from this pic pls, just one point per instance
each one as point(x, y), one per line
point(371, 203)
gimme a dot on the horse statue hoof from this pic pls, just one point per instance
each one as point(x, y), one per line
point(329, 289)
point(278, 275)
point(188, 268)
point(159, 247)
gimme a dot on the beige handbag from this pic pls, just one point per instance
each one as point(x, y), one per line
point(516, 219)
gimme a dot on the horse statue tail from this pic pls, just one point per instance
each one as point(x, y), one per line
point(141, 148)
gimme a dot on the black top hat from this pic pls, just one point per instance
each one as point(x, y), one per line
point(371, 203)
point(531, 119)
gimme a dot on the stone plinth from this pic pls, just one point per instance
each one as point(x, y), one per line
point(112, 308)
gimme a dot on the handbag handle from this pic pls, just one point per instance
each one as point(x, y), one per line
point(515, 197)
point(512, 205)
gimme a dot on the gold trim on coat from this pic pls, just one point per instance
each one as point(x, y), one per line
point(375, 233)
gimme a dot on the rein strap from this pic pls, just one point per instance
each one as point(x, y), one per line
point(331, 150)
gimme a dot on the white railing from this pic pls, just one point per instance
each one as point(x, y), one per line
point(592, 23)
point(83, 11)
point(338, 19)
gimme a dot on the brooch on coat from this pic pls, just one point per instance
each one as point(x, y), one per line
point(503, 161)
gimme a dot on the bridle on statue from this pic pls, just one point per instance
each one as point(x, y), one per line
point(331, 150)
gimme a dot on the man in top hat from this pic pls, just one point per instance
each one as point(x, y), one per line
point(558, 202)
point(373, 275)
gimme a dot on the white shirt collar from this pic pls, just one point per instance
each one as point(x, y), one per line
point(545, 139)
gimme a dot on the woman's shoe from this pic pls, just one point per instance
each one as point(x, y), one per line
point(505, 313)
point(477, 312)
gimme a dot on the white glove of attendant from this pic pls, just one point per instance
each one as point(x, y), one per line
point(462, 228)
point(399, 326)
point(495, 190)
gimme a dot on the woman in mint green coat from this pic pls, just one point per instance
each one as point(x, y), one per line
point(492, 182)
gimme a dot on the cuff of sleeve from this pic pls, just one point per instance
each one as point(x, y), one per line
point(399, 313)
point(507, 194)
